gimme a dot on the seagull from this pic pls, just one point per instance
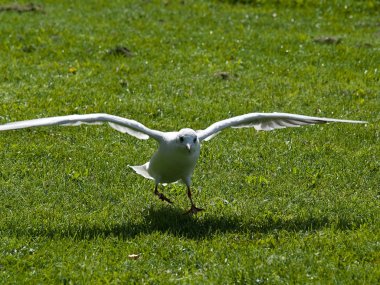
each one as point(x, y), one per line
point(177, 152)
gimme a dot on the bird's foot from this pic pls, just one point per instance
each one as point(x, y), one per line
point(194, 210)
point(164, 198)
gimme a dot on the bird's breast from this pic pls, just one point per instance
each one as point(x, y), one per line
point(170, 166)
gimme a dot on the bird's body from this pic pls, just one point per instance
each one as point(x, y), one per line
point(178, 152)
point(172, 162)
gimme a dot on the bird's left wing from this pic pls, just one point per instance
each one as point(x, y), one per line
point(265, 122)
point(120, 124)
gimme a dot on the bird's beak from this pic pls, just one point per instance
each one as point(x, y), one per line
point(188, 147)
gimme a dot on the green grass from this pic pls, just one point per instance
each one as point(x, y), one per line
point(284, 207)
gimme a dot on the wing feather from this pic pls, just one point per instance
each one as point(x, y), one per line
point(120, 124)
point(266, 122)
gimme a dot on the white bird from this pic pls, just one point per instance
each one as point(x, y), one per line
point(177, 152)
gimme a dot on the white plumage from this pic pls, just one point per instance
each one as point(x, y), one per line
point(177, 152)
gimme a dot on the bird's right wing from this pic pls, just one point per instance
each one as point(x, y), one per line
point(120, 124)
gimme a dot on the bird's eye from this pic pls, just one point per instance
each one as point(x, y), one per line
point(181, 139)
point(194, 140)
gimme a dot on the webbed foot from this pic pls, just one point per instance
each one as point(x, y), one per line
point(164, 198)
point(194, 210)
point(161, 196)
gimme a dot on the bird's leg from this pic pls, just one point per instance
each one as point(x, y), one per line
point(161, 196)
point(193, 209)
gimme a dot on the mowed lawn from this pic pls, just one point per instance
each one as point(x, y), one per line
point(298, 205)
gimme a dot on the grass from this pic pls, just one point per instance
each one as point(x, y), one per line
point(291, 206)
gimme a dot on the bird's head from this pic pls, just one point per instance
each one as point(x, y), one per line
point(188, 139)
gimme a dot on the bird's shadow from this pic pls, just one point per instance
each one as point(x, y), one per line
point(173, 221)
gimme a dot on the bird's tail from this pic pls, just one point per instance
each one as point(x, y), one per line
point(142, 170)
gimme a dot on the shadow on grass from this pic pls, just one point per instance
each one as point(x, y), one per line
point(173, 221)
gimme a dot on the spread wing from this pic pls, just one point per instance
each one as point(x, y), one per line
point(120, 124)
point(265, 122)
